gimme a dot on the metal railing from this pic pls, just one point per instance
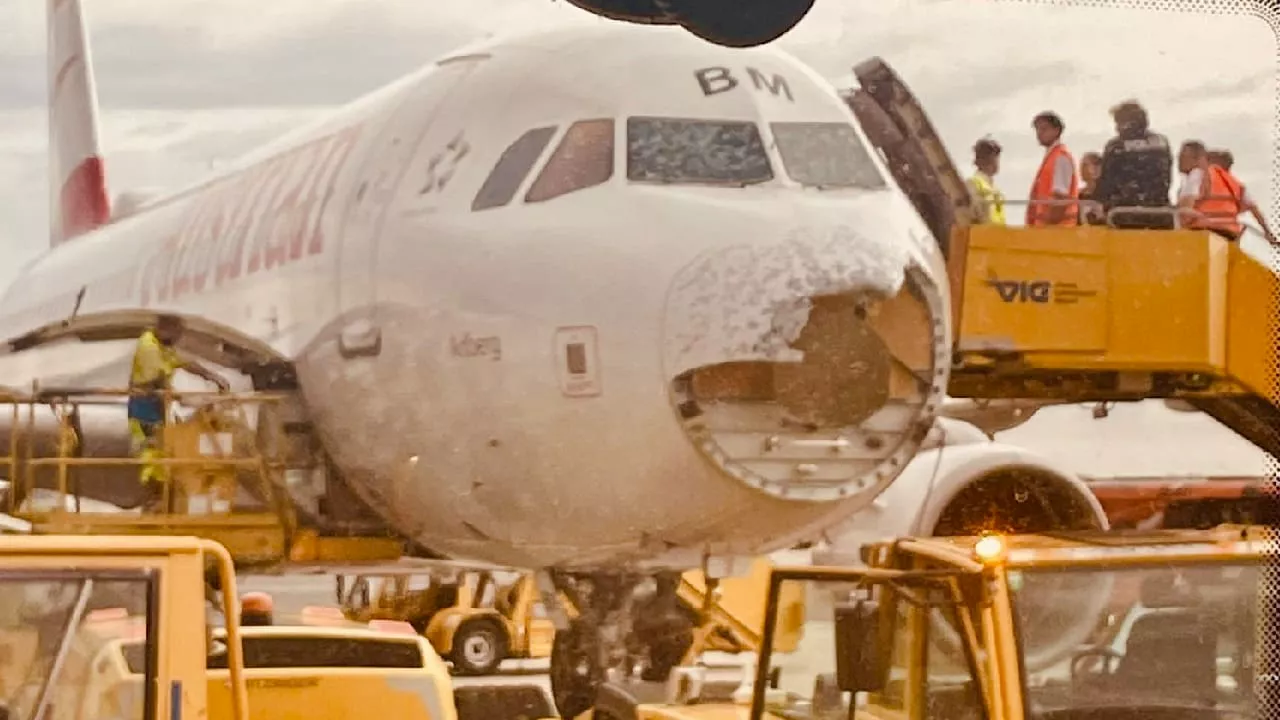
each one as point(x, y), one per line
point(1179, 217)
point(211, 414)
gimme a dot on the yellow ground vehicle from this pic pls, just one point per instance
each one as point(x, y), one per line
point(117, 628)
point(476, 616)
point(52, 586)
point(336, 673)
point(1068, 626)
point(1084, 314)
point(290, 671)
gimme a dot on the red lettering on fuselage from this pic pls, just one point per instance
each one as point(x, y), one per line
point(275, 208)
point(293, 227)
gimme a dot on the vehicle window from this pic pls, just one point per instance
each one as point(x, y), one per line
point(1173, 636)
point(315, 652)
point(826, 155)
point(944, 676)
point(583, 159)
point(512, 168)
point(705, 152)
point(51, 629)
point(947, 683)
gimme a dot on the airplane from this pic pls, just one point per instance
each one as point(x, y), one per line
point(537, 309)
point(731, 23)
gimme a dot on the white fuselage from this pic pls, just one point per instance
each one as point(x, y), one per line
point(497, 382)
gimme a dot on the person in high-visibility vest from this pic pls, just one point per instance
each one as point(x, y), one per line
point(1225, 160)
point(1211, 198)
point(1055, 184)
point(989, 199)
point(154, 362)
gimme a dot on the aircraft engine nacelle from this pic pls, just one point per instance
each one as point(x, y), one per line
point(965, 485)
point(731, 23)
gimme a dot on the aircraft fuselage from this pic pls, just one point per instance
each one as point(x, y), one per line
point(558, 363)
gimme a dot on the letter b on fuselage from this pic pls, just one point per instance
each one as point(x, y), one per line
point(719, 79)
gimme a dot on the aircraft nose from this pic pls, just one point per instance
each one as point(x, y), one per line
point(810, 368)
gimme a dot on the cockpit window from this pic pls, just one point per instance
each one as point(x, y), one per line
point(583, 159)
point(712, 152)
point(826, 155)
point(512, 168)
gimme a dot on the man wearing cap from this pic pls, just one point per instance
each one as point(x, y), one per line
point(989, 200)
point(1137, 170)
point(1055, 187)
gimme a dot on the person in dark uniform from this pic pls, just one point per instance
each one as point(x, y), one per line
point(1137, 170)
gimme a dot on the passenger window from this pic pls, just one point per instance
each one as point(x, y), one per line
point(583, 159)
point(512, 168)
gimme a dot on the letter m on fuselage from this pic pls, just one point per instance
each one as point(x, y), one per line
point(776, 85)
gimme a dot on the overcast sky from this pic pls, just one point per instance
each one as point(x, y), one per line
point(186, 83)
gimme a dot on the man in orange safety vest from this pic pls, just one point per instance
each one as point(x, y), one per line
point(1055, 187)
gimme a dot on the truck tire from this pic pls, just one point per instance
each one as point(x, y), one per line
point(479, 647)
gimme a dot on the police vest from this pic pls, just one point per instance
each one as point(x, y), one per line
point(1220, 204)
point(1042, 190)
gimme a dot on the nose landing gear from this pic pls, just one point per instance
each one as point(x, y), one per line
point(622, 626)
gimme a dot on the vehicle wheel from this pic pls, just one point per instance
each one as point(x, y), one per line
point(576, 673)
point(739, 23)
point(479, 646)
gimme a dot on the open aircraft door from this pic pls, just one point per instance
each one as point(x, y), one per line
point(372, 189)
point(896, 124)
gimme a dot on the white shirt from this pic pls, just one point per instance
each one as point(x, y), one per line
point(1191, 184)
point(1062, 171)
point(1194, 180)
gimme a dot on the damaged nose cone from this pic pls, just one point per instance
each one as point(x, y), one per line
point(810, 371)
point(844, 375)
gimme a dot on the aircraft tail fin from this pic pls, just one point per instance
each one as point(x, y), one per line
point(77, 182)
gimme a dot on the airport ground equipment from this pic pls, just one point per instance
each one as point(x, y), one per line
point(1085, 624)
point(1090, 313)
point(474, 615)
point(114, 626)
point(230, 462)
point(59, 592)
point(1185, 503)
point(478, 615)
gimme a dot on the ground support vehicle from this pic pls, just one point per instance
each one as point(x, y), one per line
point(59, 593)
point(106, 630)
point(238, 469)
point(474, 615)
point(1158, 624)
point(479, 615)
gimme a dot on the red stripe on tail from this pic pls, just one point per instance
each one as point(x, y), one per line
point(84, 199)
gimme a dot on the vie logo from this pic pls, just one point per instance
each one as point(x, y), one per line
point(1037, 291)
